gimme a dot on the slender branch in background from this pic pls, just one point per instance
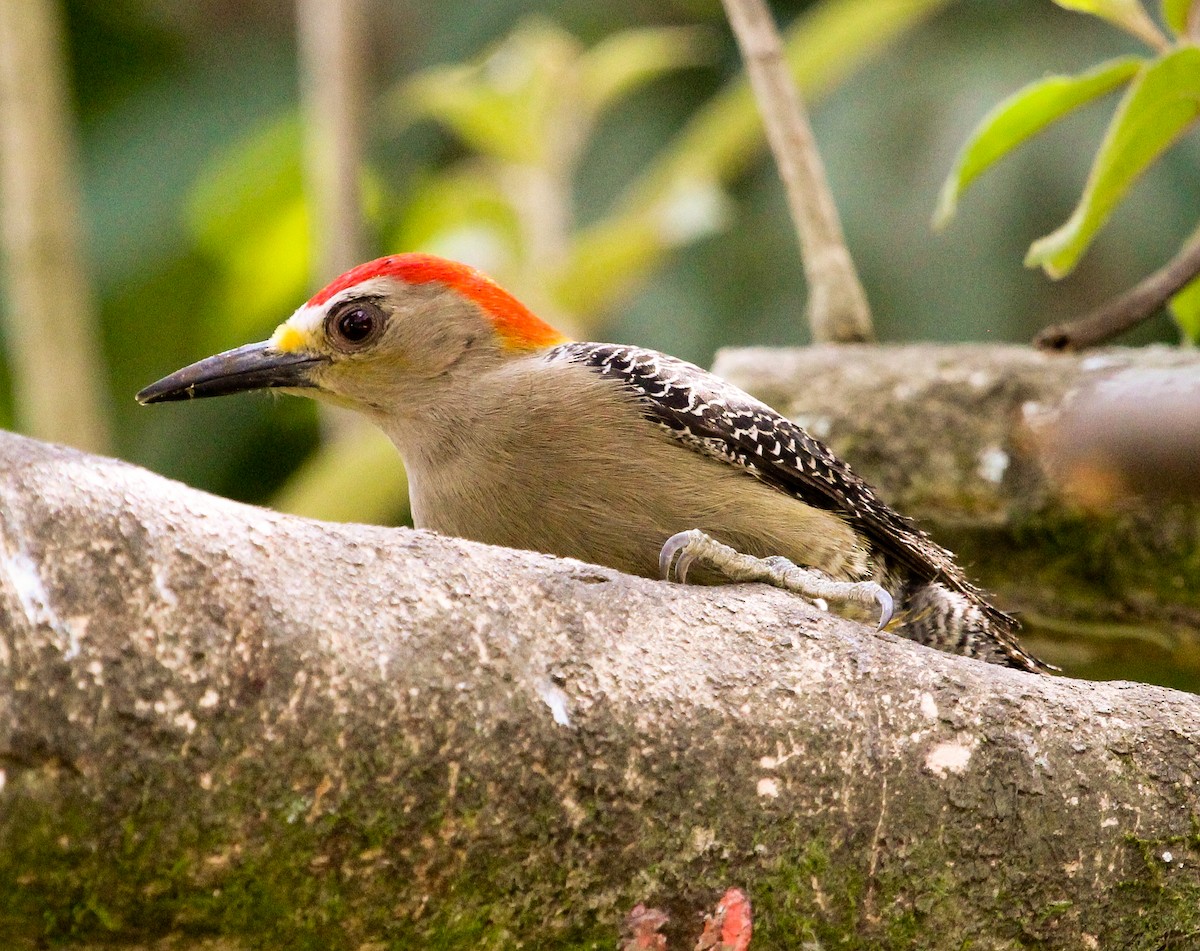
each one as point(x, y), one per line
point(1130, 309)
point(837, 304)
point(331, 42)
point(58, 370)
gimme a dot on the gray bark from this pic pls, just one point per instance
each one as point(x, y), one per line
point(1069, 484)
point(224, 727)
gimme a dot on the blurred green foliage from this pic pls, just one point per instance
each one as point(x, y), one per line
point(665, 224)
point(1023, 115)
point(1161, 103)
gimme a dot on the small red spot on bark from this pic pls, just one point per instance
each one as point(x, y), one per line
point(730, 928)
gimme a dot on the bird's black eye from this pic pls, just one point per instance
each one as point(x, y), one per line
point(355, 324)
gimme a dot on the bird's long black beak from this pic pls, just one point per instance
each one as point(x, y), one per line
point(255, 366)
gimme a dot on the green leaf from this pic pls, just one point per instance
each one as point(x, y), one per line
point(1176, 13)
point(1157, 109)
point(1023, 115)
point(624, 61)
point(249, 215)
point(608, 253)
point(1185, 308)
point(1129, 15)
point(245, 183)
point(461, 213)
point(822, 46)
point(538, 88)
point(507, 104)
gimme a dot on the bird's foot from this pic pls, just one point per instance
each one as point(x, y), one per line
point(684, 550)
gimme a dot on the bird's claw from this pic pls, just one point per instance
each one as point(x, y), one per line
point(683, 549)
point(887, 606)
point(677, 547)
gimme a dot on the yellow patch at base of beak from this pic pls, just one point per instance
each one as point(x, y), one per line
point(287, 339)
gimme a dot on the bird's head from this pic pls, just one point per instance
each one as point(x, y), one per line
point(376, 338)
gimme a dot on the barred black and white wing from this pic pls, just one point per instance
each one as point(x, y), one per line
point(718, 419)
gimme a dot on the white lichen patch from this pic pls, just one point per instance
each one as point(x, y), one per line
point(1037, 416)
point(556, 700)
point(992, 464)
point(210, 699)
point(168, 703)
point(979, 380)
point(780, 757)
point(35, 600)
point(952, 756)
point(929, 707)
point(768, 788)
point(162, 587)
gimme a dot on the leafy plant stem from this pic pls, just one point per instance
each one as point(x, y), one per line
point(1130, 309)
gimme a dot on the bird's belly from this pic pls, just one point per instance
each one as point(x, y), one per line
point(620, 515)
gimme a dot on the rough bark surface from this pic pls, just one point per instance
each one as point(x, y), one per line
point(221, 727)
point(1069, 484)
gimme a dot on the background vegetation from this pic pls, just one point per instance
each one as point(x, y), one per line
point(197, 236)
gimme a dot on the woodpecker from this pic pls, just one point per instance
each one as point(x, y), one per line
point(616, 455)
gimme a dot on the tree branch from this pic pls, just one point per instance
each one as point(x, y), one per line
point(215, 720)
point(57, 365)
point(331, 43)
point(1130, 309)
point(837, 305)
point(1068, 483)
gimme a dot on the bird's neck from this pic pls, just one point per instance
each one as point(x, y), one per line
point(430, 436)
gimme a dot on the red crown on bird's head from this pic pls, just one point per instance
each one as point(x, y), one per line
point(516, 324)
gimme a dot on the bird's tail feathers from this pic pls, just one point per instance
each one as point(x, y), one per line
point(964, 623)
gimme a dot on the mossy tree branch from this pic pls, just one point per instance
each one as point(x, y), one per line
point(218, 720)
